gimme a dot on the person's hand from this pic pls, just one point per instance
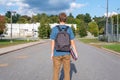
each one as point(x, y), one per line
point(51, 56)
point(76, 55)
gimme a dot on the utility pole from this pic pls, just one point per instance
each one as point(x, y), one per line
point(118, 25)
point(33, 26)
point(112, 25)
point(107, 22)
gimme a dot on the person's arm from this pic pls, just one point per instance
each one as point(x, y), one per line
point(52, 48)
point(74, 47)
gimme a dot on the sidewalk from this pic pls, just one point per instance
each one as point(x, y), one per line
point(17, 47)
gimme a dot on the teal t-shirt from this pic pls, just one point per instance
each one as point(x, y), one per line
point(53, 37)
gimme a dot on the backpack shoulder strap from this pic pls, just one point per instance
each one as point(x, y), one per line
point(66, 28)
point(59, 28)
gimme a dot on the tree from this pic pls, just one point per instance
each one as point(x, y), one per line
point(93, 28)
point(8, 14)
point(87, 18)
point(73, 29)
point(70, 19)
point(24, 19)
point(101, 23)
point(8, 20)
point(48, 30)
point(53, 18)
point(81, 28)
point(42, 31)
point(15, 17)
point(70, 15)
point(80, 16)
point(2, 24)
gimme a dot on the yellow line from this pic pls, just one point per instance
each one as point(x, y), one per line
point(4, 65)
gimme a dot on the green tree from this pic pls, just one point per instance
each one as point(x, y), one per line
point(70, 15)
point(73, 29)
point(87, 18)
point(81, 28)
point(15, 17)
point(70, 20)
point(44, 28)
point(2, 24)
point(48, 30)
point(22, 20)
point(80, 16)
point(93, 28)
point(42, 31)
point(53, 18)
point(8, 14)
point(8, 20)
point(101, 23)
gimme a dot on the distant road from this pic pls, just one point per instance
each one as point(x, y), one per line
point(33, 63)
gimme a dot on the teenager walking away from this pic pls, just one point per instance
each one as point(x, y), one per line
point(62, 38)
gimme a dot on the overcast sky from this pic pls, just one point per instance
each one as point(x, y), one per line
point(29, 7)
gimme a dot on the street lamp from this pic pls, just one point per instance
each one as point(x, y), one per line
point(33, 28)
point(11, 26)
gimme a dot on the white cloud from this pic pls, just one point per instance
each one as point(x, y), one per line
point(74, 6)
point(110, 14)
point(29, 7)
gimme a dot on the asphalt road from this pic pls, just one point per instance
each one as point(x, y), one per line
point(34, 63)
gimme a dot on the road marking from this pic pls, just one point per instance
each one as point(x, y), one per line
point(4, 65)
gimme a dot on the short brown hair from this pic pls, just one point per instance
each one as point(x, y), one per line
point(62, 17)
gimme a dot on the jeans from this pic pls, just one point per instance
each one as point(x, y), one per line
point(57, 62)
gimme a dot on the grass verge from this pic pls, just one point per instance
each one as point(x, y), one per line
point(6, 43)
point(114, 47)
point(100, 44)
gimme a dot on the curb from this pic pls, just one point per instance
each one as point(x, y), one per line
point(105, 49)
point(18, 47)
point(110, 51)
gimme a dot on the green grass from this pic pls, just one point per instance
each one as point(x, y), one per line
point(89, 40)
point(97, 43)
point(115, 47)
point(5, 43)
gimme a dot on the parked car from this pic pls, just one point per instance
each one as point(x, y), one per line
point(2, 35)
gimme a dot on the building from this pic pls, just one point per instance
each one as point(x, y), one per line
point(23, 30)
point(74, 25)
point(26, 30)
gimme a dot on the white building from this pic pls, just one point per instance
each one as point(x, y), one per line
point(23, 30)
point(53, 25)
point(27, 30)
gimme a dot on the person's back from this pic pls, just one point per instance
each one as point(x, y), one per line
point(62, 41)
point(61, 56)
